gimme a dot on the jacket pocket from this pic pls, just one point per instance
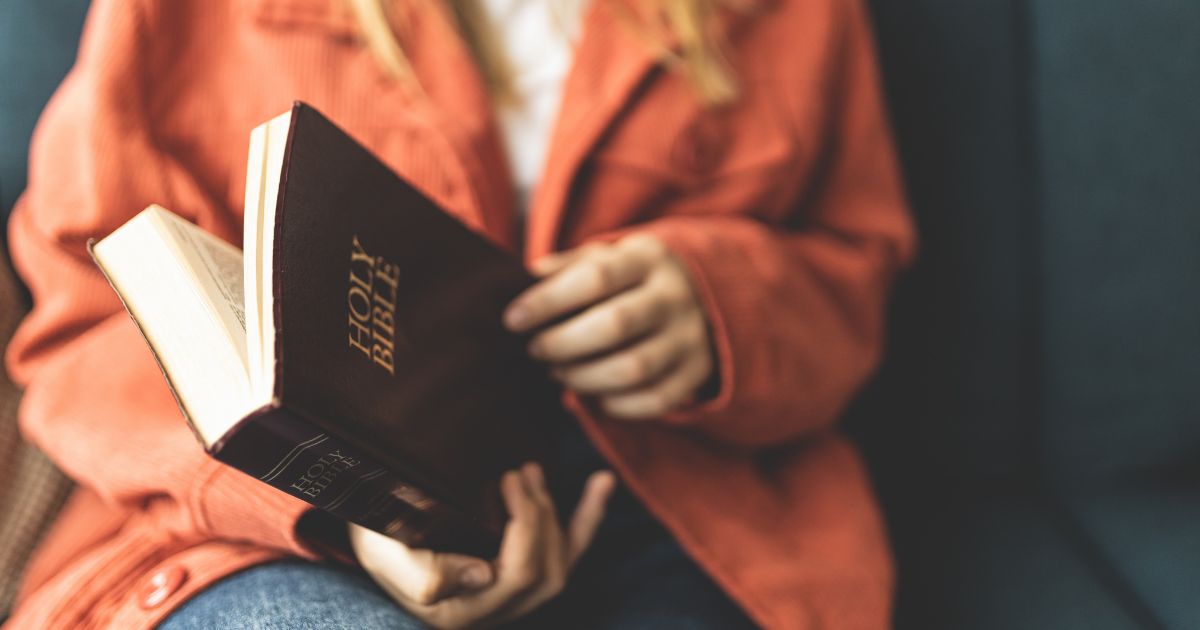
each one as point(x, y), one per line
point(322, 17)
point(690, 148)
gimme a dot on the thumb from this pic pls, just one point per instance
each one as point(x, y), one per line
point(454, 575)
point(428, 577)
point(589, 512)
point(551, 264)
point(418, 576)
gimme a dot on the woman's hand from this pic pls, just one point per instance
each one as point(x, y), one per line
point(639, 340)
point(455, 591)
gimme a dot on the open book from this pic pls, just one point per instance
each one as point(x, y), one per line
point(353, 355)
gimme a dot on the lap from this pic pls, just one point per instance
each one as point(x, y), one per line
point(292, 594)
point(655, 587)
point(634, 577)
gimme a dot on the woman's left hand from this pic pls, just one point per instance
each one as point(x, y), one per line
point(637, 338)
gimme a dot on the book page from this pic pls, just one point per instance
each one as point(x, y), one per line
point(264, 172)
point(182, 287)
point(218, 267)
point(251, 251)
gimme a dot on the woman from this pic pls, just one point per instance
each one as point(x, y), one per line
point(716, 207)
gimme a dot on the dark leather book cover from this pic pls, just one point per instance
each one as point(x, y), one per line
point(399, 398)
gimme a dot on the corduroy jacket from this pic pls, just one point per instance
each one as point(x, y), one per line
point(787, 208)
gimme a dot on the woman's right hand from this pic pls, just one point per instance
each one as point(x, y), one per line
point(536, 555)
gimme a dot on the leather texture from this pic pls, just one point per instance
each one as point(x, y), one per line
point(458, 401)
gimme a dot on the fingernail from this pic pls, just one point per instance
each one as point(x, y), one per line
point(606, 478)
point(530, 471)
point(476, 576)
point(508, 478)
point(516, 317)
point(517, 478)
point(539, 477)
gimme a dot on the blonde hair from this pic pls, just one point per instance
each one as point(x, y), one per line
point(700, 57)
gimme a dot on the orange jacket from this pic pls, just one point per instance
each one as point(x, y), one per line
point(787, 207)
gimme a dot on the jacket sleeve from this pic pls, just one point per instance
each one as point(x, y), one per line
point(94, 399)
point(797, 308)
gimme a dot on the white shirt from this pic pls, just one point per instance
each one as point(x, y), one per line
point(537, 37)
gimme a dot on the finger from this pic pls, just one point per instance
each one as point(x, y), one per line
point(589, 514)
point(520, 553)
point(521, 563)
point(518, 499)
point(556, 554)
point(603, 327)
point(554, 550)
point(519, 569)
point(419, 576)
point(535, 480)
point(553, 263)
point(637, 366)
point(450, 575)
point(586, 281)
point(673, 389)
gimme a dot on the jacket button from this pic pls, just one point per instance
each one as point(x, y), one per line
point(161, 585)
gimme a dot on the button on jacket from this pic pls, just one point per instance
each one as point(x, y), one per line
point(786, 207)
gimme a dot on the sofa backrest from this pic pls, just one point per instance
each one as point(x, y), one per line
point(38, 39)
point(1117, 112)
point(1050, 333)
point(952, 408)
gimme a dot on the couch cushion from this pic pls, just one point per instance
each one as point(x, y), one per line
point(38, 39)
point(1048, 337)
point(1000, 563)
point(31, 488)
point(1150, 532)
point(1118, 91)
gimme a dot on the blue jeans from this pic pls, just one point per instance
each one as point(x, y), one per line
point(634, 577)
point(653, 589)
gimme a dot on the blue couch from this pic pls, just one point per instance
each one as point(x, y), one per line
point(37, 43)
point(1034, 432)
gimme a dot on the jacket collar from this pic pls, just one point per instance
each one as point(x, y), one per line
point(453, 105)
point(610, 63)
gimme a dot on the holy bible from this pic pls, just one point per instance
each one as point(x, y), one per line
point(353, 354)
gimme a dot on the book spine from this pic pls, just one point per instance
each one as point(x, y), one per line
point(294, 456)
